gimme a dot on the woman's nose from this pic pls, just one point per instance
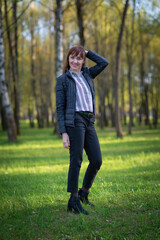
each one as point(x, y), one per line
point(75, 60)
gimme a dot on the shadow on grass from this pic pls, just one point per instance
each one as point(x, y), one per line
point(49, 156)
point(33, 223)
point(127, 206)
point(109, 220)
point(33, 204)
point(28, 162)
point(53, 184)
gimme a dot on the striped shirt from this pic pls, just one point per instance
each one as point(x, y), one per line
point(84, 100)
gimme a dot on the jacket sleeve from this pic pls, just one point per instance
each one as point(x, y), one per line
point(101, 63)
point(60, 104)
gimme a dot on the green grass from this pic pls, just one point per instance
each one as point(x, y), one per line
point(126, 191)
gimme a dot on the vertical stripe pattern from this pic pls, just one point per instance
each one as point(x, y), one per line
point(83, 93)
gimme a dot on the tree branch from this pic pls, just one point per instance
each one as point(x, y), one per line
point(70, 4)
point(18, 16)
point(116, 6)
point(8, 12)
point(50, 9)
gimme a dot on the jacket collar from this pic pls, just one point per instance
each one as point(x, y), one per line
point(68, 72)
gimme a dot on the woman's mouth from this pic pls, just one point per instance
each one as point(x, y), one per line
point(74, 65)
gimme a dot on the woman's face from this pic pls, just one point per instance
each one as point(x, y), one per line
point(75, 63)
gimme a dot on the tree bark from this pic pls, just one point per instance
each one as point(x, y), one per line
point(117, 76)
point(14, 62)
point(31, 113)
point(10, 122)
point(79, 7)
point(130, 65)
point(146, 104)
point(21, 75)
point(123, 113)
point(59, 48)
point(2, 116)
point(59, 39)
point(33, 72)
point(50, 69)
point(142, 71)
point(155, 99)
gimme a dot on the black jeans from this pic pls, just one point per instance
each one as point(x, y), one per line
point(83, 136)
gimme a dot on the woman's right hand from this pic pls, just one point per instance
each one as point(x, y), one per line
point(66, 142)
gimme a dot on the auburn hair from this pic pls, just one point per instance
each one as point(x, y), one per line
point(75, 51)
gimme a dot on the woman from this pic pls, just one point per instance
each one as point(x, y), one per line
point(75, 101)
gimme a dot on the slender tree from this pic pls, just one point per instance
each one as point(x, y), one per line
point(144, 87)
point(59, 38)
point(13, 49)
point(58, 46)
point(117, 76)
point(33, 68)
point(80, 7)
point(130, 67)
point(50, 65)
point(10, 122)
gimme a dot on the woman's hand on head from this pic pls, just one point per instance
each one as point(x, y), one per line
point(66, 142)
point(86, 51)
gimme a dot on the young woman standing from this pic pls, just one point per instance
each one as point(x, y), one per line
point(75, 104)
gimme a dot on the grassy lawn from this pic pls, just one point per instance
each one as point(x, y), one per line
point(126, 192)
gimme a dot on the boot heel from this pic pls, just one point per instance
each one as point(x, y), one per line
point(75, 206)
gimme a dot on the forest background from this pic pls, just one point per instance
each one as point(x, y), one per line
point(35, 37)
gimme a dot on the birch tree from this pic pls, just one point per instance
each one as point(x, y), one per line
point(58, 45)
point(59, 38)
point(13, 49)
point(11, 126)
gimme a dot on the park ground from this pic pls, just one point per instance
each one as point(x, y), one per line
point(126, 191)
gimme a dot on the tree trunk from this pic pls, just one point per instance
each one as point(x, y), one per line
point(2, 116)
point(14, 62)
point(146, 105)
point(11, 126)
point(50, 70)
point(142, 71)
point(101, 108)
point(155, 116)
point(123, 113)
point(31, 113)
point(58, 47)
point(33, 73)
point(79, 7)
point(59, 39)
point(155, 100)
point(41, 92)
point(21, 77)
point(117, 77)
point(130, 65)
point(112, 102)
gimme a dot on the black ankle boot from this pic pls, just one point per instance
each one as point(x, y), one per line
point(75, 205)
point(84, 197)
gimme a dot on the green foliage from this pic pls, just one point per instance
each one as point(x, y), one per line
point(33, 179)
point(101, 28)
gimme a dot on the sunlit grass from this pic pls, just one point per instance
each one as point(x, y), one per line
point(126, 191)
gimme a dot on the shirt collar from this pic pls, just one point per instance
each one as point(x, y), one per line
point(76, 74)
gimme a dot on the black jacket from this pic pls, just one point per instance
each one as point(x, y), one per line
point(66, 91)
